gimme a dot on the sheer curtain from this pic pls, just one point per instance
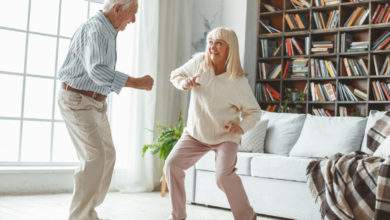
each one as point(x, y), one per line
point(158, 42)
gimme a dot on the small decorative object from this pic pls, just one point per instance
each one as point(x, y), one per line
point(293, 95)
point(167, 138)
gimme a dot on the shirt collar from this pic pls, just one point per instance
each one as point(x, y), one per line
point(107, 24)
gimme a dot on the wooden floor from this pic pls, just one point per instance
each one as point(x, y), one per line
point(117, 206)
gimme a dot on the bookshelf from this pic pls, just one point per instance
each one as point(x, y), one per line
point(320, 60)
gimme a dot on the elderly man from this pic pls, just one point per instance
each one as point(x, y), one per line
point(88, 75)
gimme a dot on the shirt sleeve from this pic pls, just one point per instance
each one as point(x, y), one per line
point(189, 69)
point(250, 109)
point(95, 60)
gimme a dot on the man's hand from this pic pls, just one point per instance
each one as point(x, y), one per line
point(145, 82)
point(234, 128)
point(191, 83)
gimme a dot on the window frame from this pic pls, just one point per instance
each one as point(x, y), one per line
point(54, 79)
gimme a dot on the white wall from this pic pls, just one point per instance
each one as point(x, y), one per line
point(240, 15)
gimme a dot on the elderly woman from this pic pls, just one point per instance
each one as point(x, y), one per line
point(222, 108)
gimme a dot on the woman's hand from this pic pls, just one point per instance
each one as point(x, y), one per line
point(191, 83)
point(234, 128)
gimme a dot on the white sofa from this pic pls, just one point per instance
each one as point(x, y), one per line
point(275, 180)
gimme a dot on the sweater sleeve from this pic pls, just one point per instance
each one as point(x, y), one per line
point(250, 109)
point(189, 69)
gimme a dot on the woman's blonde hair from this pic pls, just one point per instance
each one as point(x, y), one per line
point(233, 64)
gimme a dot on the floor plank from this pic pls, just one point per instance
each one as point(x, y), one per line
point(117, 206)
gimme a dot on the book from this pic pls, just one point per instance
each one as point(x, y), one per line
point(270, 7)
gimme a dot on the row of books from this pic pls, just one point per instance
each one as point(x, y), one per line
point(269, 28)
point(381, 14)
point(296, 21)
point(265, 92)
point(331, 18)
point(322, 92)
point(300, 68)
point(358, 17)
point(298, 4)
point(295, 47)
point(322, 47)
point(322, 68)
point(268, 71)
point(345, 93)
point(355, 67)
point(343, 111)
point(325, 2)
point(348, 44)
point(270, 47)
point(270, 7)
point(381, 91)
point(381, 69)
point(358, 46)
point(322, 112)
point(382, 42)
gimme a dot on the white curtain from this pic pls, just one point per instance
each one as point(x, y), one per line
point(157, 43)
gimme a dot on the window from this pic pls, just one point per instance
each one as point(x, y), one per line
point(35, 35)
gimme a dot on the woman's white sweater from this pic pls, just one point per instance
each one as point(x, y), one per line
point(218, 100)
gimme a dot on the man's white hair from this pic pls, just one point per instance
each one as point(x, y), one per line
point(108, 4)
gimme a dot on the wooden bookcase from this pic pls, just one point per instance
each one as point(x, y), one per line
point(366, 32)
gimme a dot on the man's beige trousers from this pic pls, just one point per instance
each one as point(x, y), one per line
point(186, 153)
point(87, 123)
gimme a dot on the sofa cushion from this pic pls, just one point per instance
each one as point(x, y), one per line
point(253, 140)
point(325, 136)
point(372, 118)
point(279, 167)
point(207, 162)
point(282, 132)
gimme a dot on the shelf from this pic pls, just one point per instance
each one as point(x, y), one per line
point(380, 52)
point(321, 103)
point(296, 33)
point(354, 53)
point(270, 13)
point(321, 79)
point(355, 28)
point(323, 55)
point(324, 8)
point(366, 32)
point(352, 77)
point(297, 11)
point(270, 35)
point(324, 31)
point(295, 79)
point(352, 103)
point(294, 103)
point(269, 80)
point(379, 102)
point(269, 103)
point(379, 77)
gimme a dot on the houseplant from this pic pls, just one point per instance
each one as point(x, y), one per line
point(167, 136)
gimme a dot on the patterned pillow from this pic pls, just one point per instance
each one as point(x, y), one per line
point(253, 140)
point(378, 133)
point(384, 149)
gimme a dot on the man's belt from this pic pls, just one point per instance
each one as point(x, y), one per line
point(97, 96)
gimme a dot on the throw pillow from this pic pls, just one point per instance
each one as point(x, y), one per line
point(325, 136)
point(282, 132)
point(372, 118)
point(377, 133)
point(253, 140)
point(383, 149)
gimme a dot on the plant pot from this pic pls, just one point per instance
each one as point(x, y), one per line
point(294, 96)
